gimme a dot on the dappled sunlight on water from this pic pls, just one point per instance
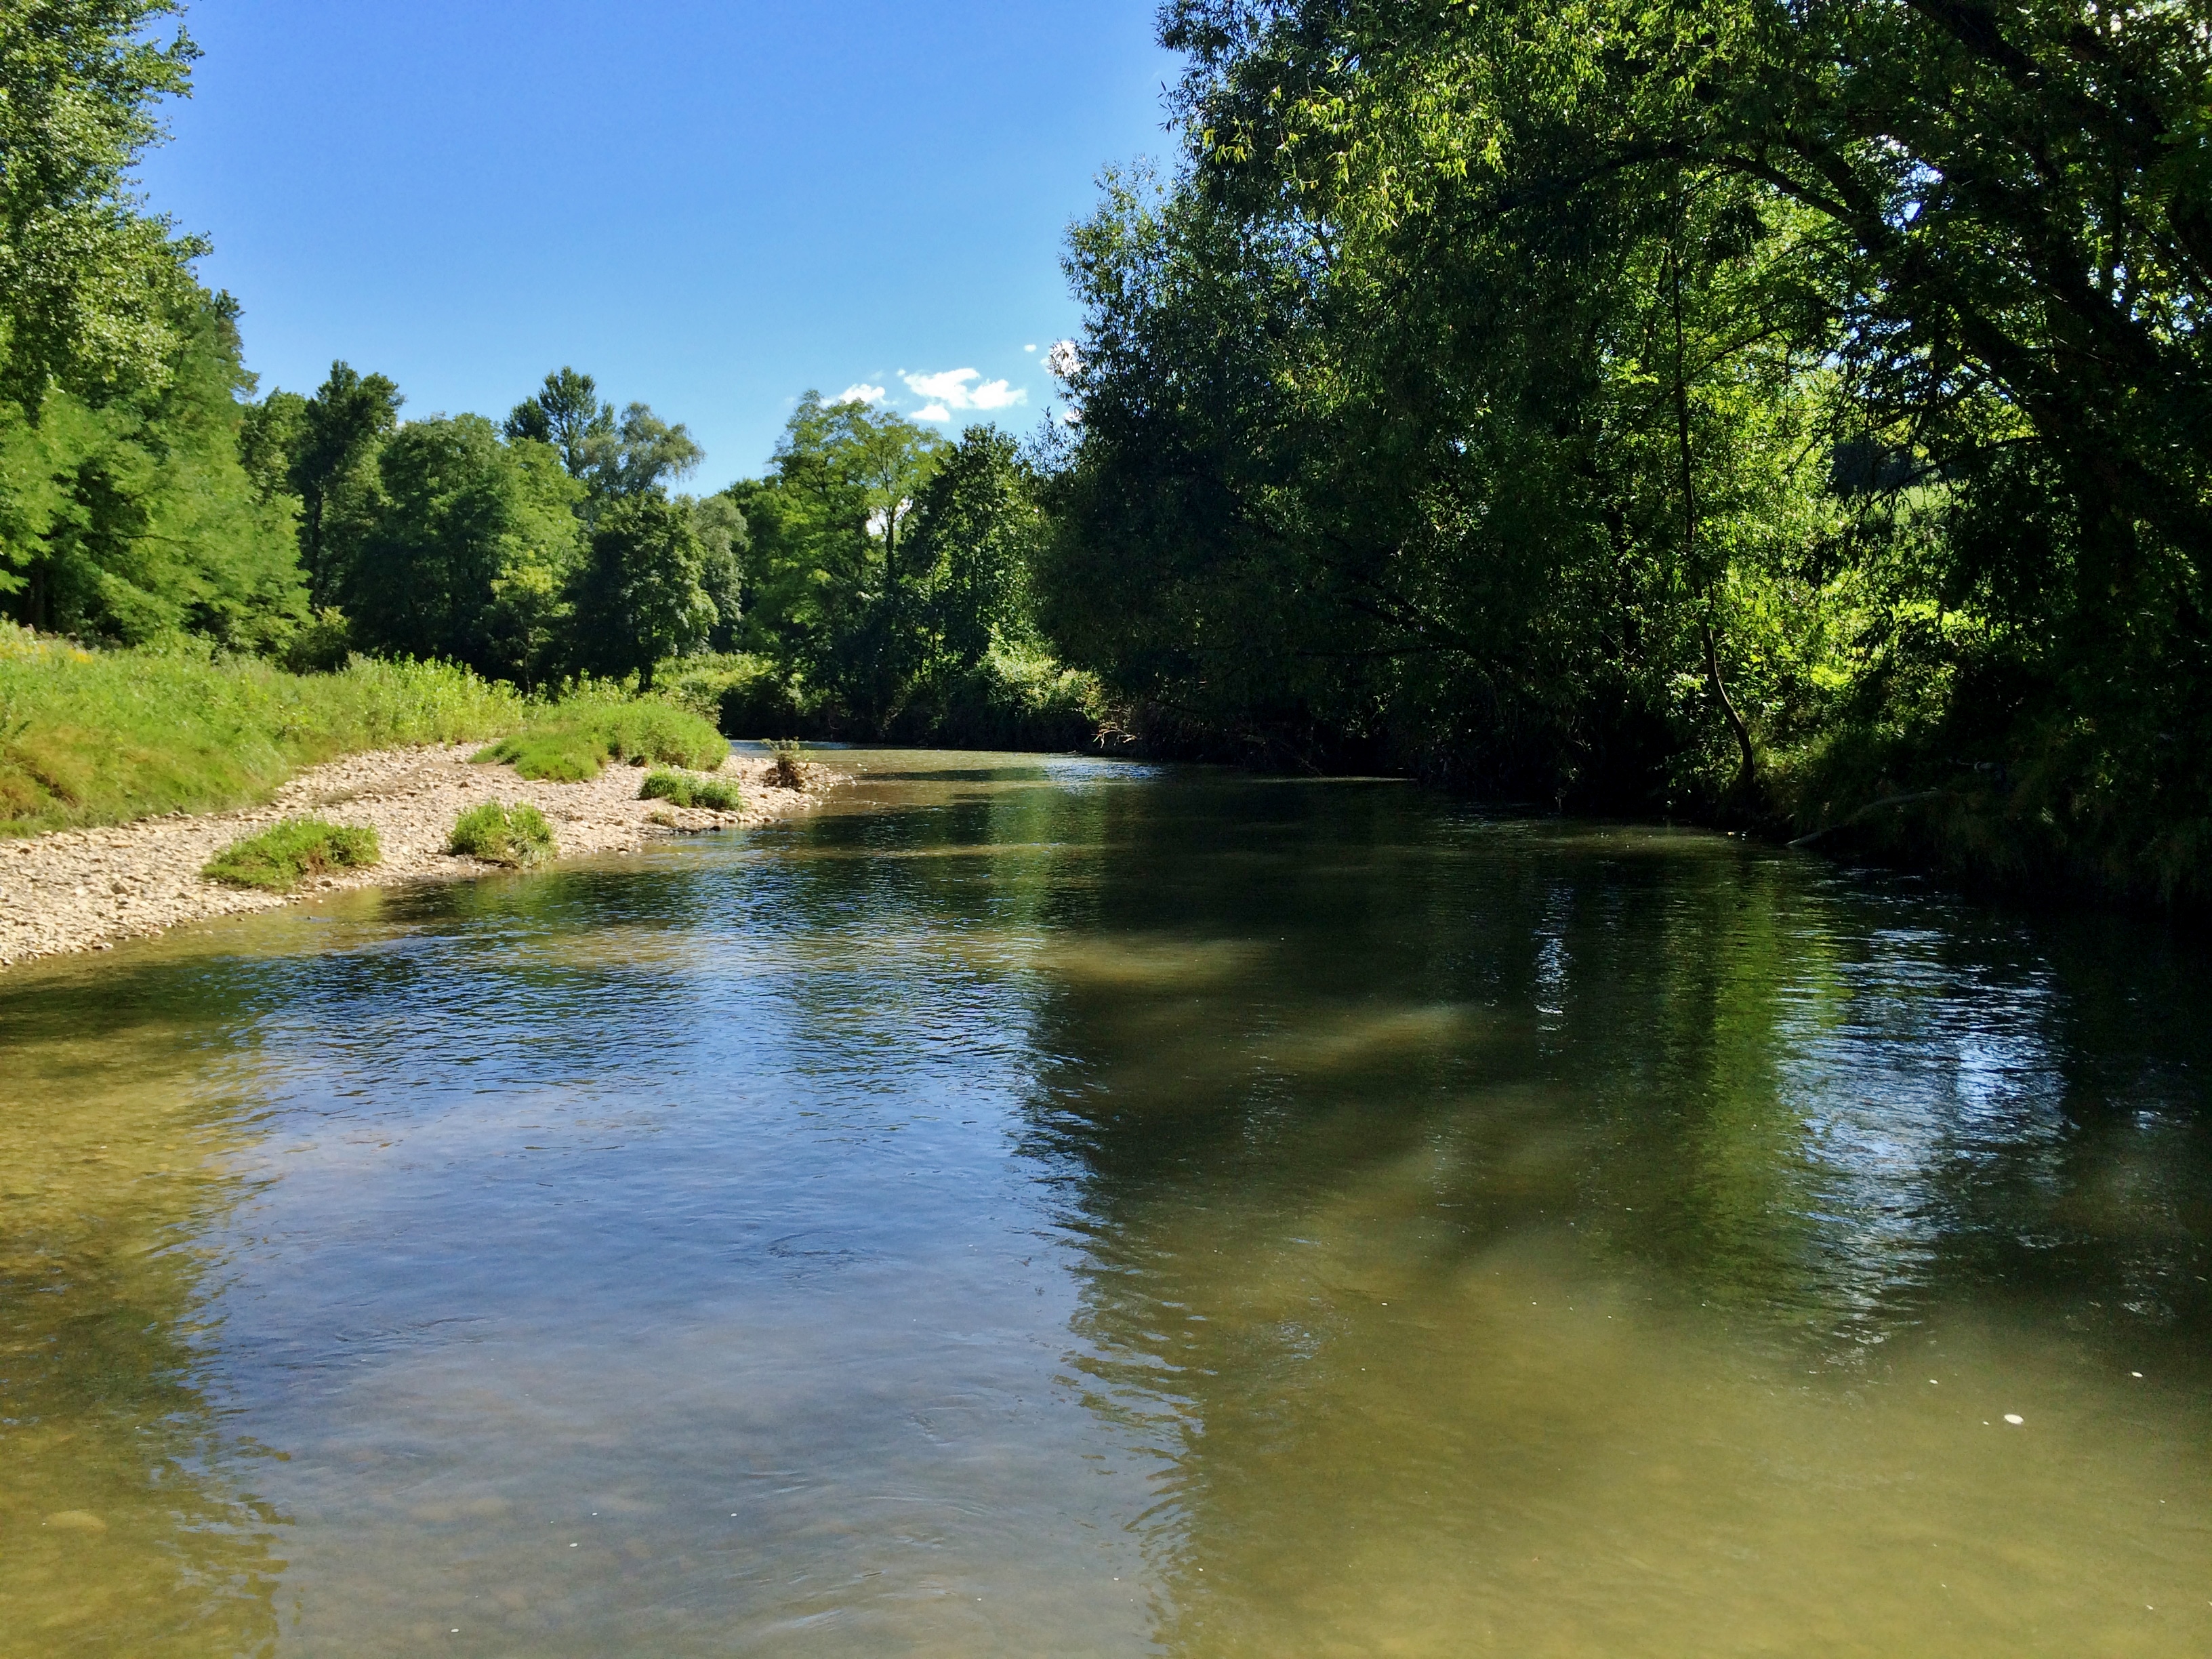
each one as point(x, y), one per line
point(1050, 1205)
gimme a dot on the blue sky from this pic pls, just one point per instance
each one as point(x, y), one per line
point(709, 207)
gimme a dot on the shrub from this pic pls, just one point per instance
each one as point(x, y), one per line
point(784, 768)
point(682, 789)
point(286, 853)
point(517, 836)
point(569, 741)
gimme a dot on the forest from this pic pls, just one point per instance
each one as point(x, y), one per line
point(1790, 416)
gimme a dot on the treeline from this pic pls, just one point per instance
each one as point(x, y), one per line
point(1799, 415)
point(874, 584)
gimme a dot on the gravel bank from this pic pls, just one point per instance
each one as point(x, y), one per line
point(81, 890)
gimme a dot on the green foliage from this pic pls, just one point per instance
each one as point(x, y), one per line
point(1772, 417)
point(104, 737)
point(92, 292)
point(289, 851)
point(466, 550)
point(684, 789)
point(330, 444)
point(515, 836)
point(639, 454)
point(570, 740)
point(125, 512)
point(639, 588)
point(889, 591)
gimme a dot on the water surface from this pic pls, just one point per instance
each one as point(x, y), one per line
point(1057, 1206)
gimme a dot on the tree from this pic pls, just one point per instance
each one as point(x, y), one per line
point(467, 550)
point(639, 596)
point(980, 529)
point(124, 512)
point(95, 295)
point(724, 540)
point(832, 560)
point(566, 412)
point(335, 440)
point(636, 455)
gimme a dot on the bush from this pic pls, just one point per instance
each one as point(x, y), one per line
point(569, 741)
point(784, 768)
point(682, 789)
point(286, 853)
point(104, 737)
point(517, 836)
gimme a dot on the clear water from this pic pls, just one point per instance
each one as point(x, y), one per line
point(1043, 1206)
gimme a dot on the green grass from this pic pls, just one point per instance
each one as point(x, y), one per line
point(105, 737)
point(682, 789)
point(287, 853)
point(569, 741)
point(516, 835)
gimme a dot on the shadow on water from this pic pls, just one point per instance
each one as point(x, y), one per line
point(1535, 1235)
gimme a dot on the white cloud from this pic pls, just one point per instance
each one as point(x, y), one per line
point(950, 390)
point(1064, 359)
point(933, 412)
point(1029, 348)
point(861, 392)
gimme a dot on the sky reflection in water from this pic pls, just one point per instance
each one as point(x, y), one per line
point(1061, 1206)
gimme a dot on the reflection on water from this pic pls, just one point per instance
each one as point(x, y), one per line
point(1055, 1206)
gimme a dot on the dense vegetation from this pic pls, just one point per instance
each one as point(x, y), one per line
point(288, 852)
point(103, 737)
point(1789, 416)
point(1797, 413)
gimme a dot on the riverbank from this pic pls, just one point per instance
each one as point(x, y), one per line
point(84, 889)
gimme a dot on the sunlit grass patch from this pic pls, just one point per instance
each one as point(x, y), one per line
point(517, 836)
point(569, 741)
point(684, 789)
point(286, 853)
point(103, 736)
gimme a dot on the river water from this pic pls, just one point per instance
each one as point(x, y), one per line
point(1055, 1206)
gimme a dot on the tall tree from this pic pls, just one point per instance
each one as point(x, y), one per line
point(566, 412)
point(639, 596)
point(466, 550)
point(340, 430)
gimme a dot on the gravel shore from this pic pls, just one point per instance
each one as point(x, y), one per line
point(81, 890)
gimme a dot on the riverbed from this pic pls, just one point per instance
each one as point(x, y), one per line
point(1052, 1205)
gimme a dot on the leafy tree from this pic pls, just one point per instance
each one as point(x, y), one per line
point(723, 542)
point(639, 596)
point(832, 558)
point(467, 550)
point(96, 297)
point(981, 527)
point(566, 412)
point(124, 512)
point(614, 458)
point(334, 442)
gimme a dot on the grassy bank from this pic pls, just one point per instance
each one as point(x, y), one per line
point(105, 737)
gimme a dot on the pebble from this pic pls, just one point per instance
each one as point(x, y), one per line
point(83, 890)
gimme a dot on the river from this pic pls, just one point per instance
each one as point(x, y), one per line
point(1058, 1206)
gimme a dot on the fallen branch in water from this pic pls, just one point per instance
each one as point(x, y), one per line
point(1871, 806)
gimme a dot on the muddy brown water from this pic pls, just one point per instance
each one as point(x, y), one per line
point(1055, 1207)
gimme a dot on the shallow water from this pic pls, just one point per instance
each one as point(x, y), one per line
point(1055, 1207)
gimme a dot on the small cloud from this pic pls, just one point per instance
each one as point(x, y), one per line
point(1029, 348)
point(951, 390)
point(1064, 359)
point(861, 392)
point(933, 412)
